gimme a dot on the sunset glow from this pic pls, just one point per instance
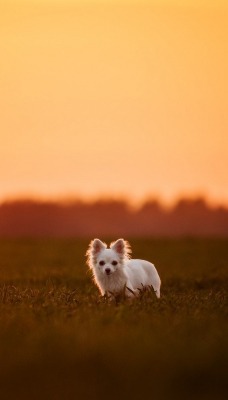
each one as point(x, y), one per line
point(112, 98)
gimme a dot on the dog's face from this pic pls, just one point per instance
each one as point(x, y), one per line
point(107, 261)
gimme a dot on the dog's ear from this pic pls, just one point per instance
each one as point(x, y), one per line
point(97, 245)
point(94, 249)
point(121, 247)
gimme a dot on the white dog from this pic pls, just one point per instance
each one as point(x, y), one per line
point(114, 272)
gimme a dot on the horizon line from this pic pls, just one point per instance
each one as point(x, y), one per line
point(133, 203)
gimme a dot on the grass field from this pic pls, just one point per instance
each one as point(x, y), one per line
point(60, 340)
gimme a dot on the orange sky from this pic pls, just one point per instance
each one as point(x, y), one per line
point(114, 98)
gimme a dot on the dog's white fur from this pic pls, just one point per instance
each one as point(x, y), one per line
point(114, 271)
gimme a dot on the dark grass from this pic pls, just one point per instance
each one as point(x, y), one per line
point(60, 340)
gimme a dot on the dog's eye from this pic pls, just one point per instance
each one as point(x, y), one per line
point(114, 262)
point(101, 263)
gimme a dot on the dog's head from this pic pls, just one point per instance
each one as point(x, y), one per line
point(105, 260)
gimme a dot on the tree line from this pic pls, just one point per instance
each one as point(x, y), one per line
point(29, 218)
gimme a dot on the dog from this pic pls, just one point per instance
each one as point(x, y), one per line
point(115, 273)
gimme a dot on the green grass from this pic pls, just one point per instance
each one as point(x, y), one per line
point(60, 340)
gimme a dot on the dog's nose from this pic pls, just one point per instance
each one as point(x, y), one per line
point(107, 270)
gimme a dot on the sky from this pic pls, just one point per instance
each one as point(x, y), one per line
point(114, 98)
